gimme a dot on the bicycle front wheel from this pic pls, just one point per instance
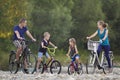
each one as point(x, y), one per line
point(30, 63)
point(90, 65)
point(55, 67)
point(13, 66)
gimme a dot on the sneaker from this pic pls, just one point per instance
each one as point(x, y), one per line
point(26, 71)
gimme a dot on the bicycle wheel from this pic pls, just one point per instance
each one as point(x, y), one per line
point(30, 62)
point(71, 69)
point(41, 68)
point(13, 67)
point(90, 65)
point(105, 65)
point(80, 69)
point(55, 67)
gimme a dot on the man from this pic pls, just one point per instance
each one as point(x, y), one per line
point(19, 32)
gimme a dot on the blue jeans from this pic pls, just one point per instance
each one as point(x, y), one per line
point(106, 49)
point(77, 56)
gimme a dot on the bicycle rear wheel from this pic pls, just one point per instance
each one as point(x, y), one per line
point(71, 69)
point(105, 64)
point(90, 66)
point(30, 62)
point(41, 68)
point(80, 69)
point(55, 67)
point(13, 66)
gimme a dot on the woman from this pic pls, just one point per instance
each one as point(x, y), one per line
point(102, 32)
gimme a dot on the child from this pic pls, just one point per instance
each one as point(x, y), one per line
point(73, 51)
point(43, 49)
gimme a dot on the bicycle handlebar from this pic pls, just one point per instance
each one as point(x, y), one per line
point(94, 41)
point(51, 50)
point(27, 41)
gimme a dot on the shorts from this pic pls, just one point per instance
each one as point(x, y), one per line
point(77, 56)
point(19, 44)
point(40, 55)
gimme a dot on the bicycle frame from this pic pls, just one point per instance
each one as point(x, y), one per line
point(52, 52)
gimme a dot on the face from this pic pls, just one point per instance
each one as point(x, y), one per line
point(99, 26)
point(47, 37)
point(24, 23)
point(70, 43)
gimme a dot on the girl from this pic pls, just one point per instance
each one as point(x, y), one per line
point(104, 41)
point(73, 51)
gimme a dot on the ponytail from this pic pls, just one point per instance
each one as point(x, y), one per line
point(105, 25)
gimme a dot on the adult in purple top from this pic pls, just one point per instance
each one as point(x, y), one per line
point(19, 32)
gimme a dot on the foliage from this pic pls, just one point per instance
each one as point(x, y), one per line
point(62, 18)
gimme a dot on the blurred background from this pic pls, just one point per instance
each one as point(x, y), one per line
point(63, 19)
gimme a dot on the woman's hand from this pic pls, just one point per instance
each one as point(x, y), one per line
point(88, 38)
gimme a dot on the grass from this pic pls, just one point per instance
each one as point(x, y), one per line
point(60, 55)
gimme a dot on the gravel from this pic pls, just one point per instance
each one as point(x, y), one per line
point(6, 75)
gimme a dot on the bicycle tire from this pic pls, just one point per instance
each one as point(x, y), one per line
point(13, 66)
point(80, 69)
point(54, 65)
point(105, 66)
point(71, 71)
point(41, 68)
point(90, 68)
point(30, 62)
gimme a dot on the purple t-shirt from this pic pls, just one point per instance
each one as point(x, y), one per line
point(21, 32)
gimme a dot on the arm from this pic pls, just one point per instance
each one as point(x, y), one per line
point(106, 34)
point(18, 35)
point(93, 35)
point(68, 52)
point(29, 35)
point(52, 44)
point(42, 44)
point(76, 49)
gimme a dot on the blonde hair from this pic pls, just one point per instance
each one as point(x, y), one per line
point(72, 40)
point(103, 24)
point(46, 34)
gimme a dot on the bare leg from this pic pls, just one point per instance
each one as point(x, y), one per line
point(19, 50)
point(38, 63)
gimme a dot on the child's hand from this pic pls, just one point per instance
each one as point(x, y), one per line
point(67, 55)
point(55, 47)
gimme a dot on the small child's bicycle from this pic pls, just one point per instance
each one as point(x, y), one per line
point(75, 68)
point(53, 65)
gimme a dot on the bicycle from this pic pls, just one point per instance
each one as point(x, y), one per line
point(55, 66)
point(26, 59)
point(75, 68)
point(94, 61)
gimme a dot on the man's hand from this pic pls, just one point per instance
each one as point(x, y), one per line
point(20, 38)
point(34, 39)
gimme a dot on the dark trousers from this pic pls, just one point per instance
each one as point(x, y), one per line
point(106, 49)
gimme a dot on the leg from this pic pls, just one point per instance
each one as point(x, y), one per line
point(77, 59)
point(99, 50)
point(39, 60)
point(19, 49)
point(107, 49)
point(48, 56)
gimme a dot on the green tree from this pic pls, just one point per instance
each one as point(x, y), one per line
point(53, 16)
point(112, 13)
point(85, 15)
